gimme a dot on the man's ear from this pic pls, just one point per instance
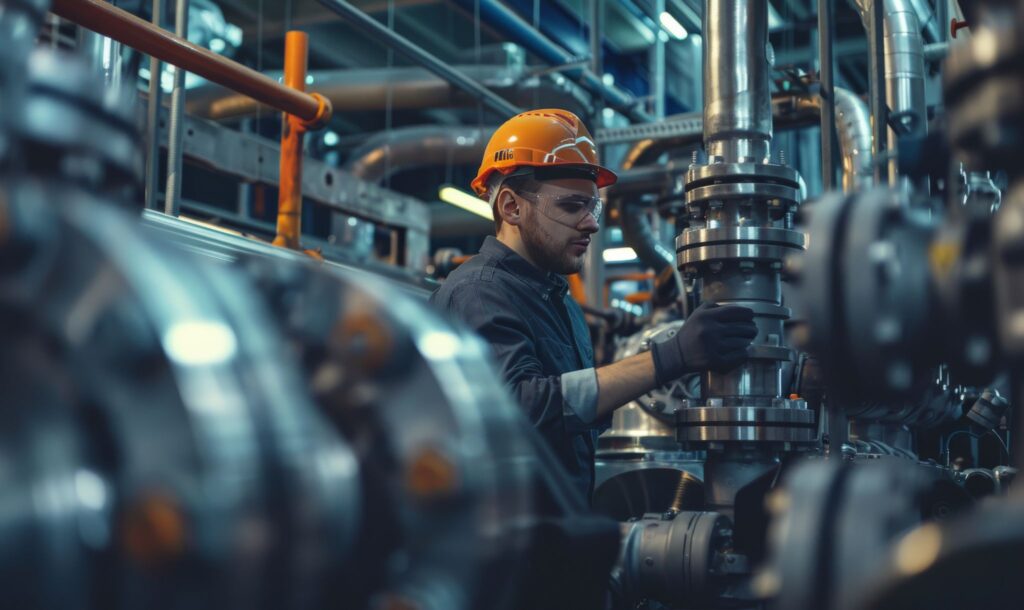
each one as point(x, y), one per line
point(508, 208)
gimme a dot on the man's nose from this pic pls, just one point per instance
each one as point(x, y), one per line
point(589, 224)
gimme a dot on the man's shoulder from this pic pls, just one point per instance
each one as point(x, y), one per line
point(479, 277)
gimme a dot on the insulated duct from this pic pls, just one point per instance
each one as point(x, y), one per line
point(392, 151)
point(853, 125)
point(406, 88)
point(903, 48)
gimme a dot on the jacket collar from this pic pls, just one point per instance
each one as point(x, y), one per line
point(548, 284)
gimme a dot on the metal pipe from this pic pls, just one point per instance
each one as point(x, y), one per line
point(658, 66)
point(411, 88)
point(19, 25)
point(853, 124)
point(596, 26)
point(789, 111)
point(737, 103)
point(637, 231)
point(513, 27)
point(896, 29)
point(828, 104)
point(172, 190)
point(106, 19)
point(424, 145)
point(289, 199)
point(368, 26)
point(153, 118)
point(877, 93)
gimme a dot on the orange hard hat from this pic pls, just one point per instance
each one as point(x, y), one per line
point(541, 138)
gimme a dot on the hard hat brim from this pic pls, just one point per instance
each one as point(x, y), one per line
point(603, 176)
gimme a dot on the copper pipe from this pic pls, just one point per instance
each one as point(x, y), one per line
point(289, 200)
point(108, 20)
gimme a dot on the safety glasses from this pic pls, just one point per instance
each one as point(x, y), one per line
point(568, 208)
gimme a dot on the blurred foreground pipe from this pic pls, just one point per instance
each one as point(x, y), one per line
point(124, 27)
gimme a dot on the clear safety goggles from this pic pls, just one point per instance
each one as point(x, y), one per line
point(569, 208)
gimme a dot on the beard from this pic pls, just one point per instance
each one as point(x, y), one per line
point(547, 250)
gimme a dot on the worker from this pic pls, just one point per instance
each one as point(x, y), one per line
point(541, 175)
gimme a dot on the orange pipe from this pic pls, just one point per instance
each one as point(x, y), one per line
point(108, 20)
point(293, 128)
point(576, 288)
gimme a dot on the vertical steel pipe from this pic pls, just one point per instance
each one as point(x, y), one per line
point(289, 200)
point(896, 67)
point(737, 103)
point(853, 124)
point(739, 210)
point(876, 88)
point(153, 119)
point(658, 66)
point(827, 92)
point(175, 127)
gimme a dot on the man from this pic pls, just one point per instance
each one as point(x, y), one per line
point(541, 174)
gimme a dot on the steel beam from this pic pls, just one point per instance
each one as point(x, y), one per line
point(372, 28)
point(255, 159)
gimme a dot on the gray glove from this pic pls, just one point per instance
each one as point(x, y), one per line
point(714, 337)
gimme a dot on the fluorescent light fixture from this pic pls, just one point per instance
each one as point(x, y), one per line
point(619, 255)
point(674, 27)
point(462, 199)
point(775, 21)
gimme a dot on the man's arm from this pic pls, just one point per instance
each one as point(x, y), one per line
point(622, 381)
point(713, 338)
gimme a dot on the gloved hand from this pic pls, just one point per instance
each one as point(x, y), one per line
point(714, 337)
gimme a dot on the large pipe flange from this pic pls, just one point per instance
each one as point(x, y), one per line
point(746, 420)
point(762, 244)
point(714, 183)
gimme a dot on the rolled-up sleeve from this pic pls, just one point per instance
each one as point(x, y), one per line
point(543, 397)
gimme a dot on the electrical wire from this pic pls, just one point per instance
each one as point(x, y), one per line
point(1006, 448)
point(949, 440)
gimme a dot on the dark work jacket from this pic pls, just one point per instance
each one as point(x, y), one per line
point(536, 332)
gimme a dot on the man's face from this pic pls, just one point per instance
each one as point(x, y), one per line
point(557, 223)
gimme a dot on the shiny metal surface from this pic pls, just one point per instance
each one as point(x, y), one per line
point(792, 423)
point(407, 88)
point(89, 129)
point(853, 126)
point(737, 102)
point(200, 422)
point(904, 68)
point(411, 147)
point(671, 557)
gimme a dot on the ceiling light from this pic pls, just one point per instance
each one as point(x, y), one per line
point(462, 199)
point(674, 27)
point(619, 255)
point(775, 21)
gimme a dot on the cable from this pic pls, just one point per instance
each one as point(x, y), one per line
point(949, 441)
point(1006, 448)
